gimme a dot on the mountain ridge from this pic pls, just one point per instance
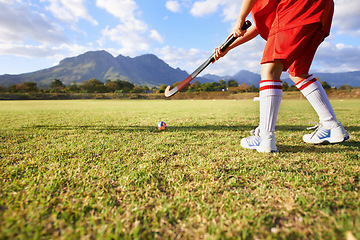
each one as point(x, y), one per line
point(146, 69)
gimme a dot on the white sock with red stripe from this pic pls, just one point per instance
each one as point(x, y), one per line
point(270, 99)
point(312, 89)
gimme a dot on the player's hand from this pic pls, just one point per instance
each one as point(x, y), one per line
point(237, 31)
point(218, 53)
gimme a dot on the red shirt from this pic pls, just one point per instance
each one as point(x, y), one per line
point(272, 16)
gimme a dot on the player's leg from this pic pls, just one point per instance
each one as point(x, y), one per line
point(329, 130)
point(270, 95)
point(312, 89)
point(263, 138)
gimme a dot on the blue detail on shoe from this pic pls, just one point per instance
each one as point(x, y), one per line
point(253, 142)
point(323, 133)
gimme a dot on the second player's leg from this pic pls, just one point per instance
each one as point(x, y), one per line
point(329, 129)
point(263, 138)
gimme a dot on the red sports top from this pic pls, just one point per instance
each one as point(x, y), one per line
point(272, 16)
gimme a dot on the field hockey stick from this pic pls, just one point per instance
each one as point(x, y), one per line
point(229, 41)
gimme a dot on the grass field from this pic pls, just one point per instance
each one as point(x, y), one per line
point(99, 169)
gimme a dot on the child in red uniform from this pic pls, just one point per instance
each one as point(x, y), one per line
point(293, 30)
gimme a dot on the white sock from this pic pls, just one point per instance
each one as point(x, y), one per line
point(270, 99)
point(316, 95)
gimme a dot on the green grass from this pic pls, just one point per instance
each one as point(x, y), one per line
point(99, 169)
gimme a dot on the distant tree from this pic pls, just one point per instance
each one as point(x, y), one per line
point(345, 87)
point(154, 89)
point(232, 83)
point(112, 86)
point(223, 84)
point(124, 85)
point(146, 88)
point(285, 86)
point(162, 88)
point(234, 90)
point(253, 88)
point(93, 85)
point(57, 84)
point(194, 87)
point(197, 85)
point(73, 87)
point(137, 89)
point(12, 88)
point(293, 88)
point(26, 87)
point(326, 86)
point(208, 87)
point(245, 87)
point(85, 86)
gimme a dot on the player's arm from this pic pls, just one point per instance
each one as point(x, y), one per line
point(245, 9)
point(249, 34)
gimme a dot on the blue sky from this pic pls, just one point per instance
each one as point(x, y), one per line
point(37, 34)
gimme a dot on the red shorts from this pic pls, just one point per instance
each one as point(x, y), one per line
point(295, 47)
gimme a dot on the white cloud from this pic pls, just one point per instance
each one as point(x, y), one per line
point(332, 56)
point(173, 6)
point(122, 9)
point(230, 8)
point(156, 36)
point(70, 10)
point(346, 17)
point(130, 37)
point(202, 8)
point(247, 57)
point(22, 50)
point(32, 29)
point(338, 57)
point(53, 53)
point(19, 23)
point(132, 34)
point(329, 58)
point(6, 1)
point(185, 59)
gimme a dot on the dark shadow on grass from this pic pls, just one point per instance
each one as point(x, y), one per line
point(187, 128)
point(89, 127)
point(243, 129)
point(351, 145)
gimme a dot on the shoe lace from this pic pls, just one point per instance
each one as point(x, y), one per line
point(255, 132)
point(316, 127)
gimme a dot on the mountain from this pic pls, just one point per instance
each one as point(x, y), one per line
point(339, 79)
point(247, 77)
point(333, 79)
point(241, 77)
point(143, 70)
point(336, 79)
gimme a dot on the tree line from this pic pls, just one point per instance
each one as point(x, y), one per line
point(120, 86)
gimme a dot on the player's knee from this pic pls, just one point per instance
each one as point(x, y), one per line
point(272, 70)
point(298, 78)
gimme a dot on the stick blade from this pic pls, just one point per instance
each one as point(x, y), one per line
point(169, 93)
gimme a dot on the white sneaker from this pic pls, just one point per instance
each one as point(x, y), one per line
point(260, 144)
point(322, 134)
